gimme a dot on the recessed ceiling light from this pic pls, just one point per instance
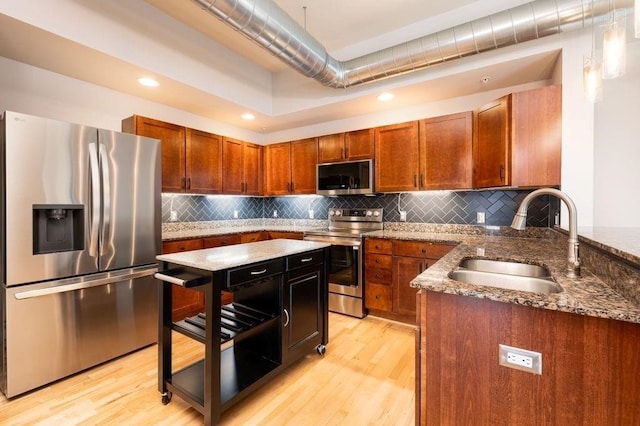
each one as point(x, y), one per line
point(149, 82)
point(248, 116)
point(385, 97)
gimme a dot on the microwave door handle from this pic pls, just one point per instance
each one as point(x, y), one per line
point(94, 206)
point(106, 197)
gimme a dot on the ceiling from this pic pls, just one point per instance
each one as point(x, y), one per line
point(347, 29)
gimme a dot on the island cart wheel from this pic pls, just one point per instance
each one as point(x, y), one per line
point(321, 349)
point(166, 398)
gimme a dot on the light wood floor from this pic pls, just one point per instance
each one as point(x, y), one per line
point(365, 378)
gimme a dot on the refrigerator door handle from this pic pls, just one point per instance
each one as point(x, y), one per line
point(76, 284)
point(95, 199)
point(106, 198)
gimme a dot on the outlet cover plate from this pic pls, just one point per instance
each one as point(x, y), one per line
point(520, 359)
point(403, 216)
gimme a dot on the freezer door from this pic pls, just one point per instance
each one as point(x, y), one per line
point(46, 163)
point(60, 328)
point(130, 233)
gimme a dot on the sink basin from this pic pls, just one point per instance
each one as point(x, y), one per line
point(505, 267)
point(505, 274)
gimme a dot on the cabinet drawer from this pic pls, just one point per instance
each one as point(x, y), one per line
point(424, 249)
point(304, 259)
point(222, 240)
point(373, 260)
point(378, 297)
point(378, 245)
point(181, 245)
point(239, 276)
point(378, 275)
point(251, 237)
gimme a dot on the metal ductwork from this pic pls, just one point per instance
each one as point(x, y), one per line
point(266, 24)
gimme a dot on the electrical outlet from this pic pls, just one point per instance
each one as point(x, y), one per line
point(235, 214)
point(520, 359)
point(403, 216)
point(310, 214)
point(480, 217)
point(275, 213)
point(173, 216)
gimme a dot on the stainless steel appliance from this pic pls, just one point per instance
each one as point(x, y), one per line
point(80, 229)
point(346, 227)
point(345, 178)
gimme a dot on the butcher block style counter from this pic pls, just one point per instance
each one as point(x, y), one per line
point(278, 315)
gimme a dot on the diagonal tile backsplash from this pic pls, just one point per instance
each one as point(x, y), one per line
point(442, 207)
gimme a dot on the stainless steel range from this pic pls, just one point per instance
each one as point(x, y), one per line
point(346, 228)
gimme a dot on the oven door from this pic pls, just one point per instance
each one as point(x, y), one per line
point(345, 276)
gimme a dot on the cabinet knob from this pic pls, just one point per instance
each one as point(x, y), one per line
point(377, 296)
point(424, 250)
point(377, 260)
point(377, 275)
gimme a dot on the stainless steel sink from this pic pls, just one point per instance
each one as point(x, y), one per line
point(506, 274)
point(504, 267)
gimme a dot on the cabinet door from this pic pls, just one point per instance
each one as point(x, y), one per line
point(446, 152)
point(203, 162)
point(491, 165)
point(406, 269)
point(184, 302)
point(396, 160)
point(304, 159)
point(331, 148)
point(252, 166)
point(277, 160)
point(536, 138)
point(173, 148)
point(274, 235)
point(252, 237)
point(302, 311)
point(359, 144)
point(233, 171)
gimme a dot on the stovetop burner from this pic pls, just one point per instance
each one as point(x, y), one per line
point(350, 223)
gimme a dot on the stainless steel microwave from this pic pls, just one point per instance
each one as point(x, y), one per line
point(345, 178)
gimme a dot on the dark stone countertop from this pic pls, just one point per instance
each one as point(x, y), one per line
point(588, 295)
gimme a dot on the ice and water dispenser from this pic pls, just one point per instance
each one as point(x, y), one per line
point(57, 227)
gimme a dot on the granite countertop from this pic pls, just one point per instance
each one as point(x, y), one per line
point(219, 258)
point(183, 230)
point(588, 295)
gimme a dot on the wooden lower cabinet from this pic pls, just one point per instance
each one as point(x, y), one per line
point(274, 235)
point(590, 366)
point(185, 302)
point(390, 265)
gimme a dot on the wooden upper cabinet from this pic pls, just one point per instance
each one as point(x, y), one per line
point(203, 162)
point(191, 159)
point(446, 152)
point(397, 156)
point(536, 143)
point(277, 163)
point(331, 148)
point(349, 146)
point(518, 140)
point(290, 167)
point(242, 167)
point(491, 156)
point(173, 149)
point(304, 159)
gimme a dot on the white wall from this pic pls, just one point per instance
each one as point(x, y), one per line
point(617, 147)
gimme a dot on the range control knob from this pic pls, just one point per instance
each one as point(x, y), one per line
point(331, 212)
point(338, 212)
point(376, 214)
point(369, 213)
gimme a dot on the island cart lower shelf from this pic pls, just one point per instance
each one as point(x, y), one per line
point(279, 313)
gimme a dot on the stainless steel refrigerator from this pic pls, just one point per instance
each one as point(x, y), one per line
point(80, 228)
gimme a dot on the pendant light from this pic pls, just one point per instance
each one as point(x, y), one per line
point(592, 68)
point(614, 46)
point(636, 17)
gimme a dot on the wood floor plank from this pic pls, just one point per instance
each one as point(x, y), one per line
point(365, 378)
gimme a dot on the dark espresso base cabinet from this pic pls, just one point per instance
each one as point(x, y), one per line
point(274, 320)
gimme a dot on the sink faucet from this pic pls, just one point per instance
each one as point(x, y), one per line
point(520, 221)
